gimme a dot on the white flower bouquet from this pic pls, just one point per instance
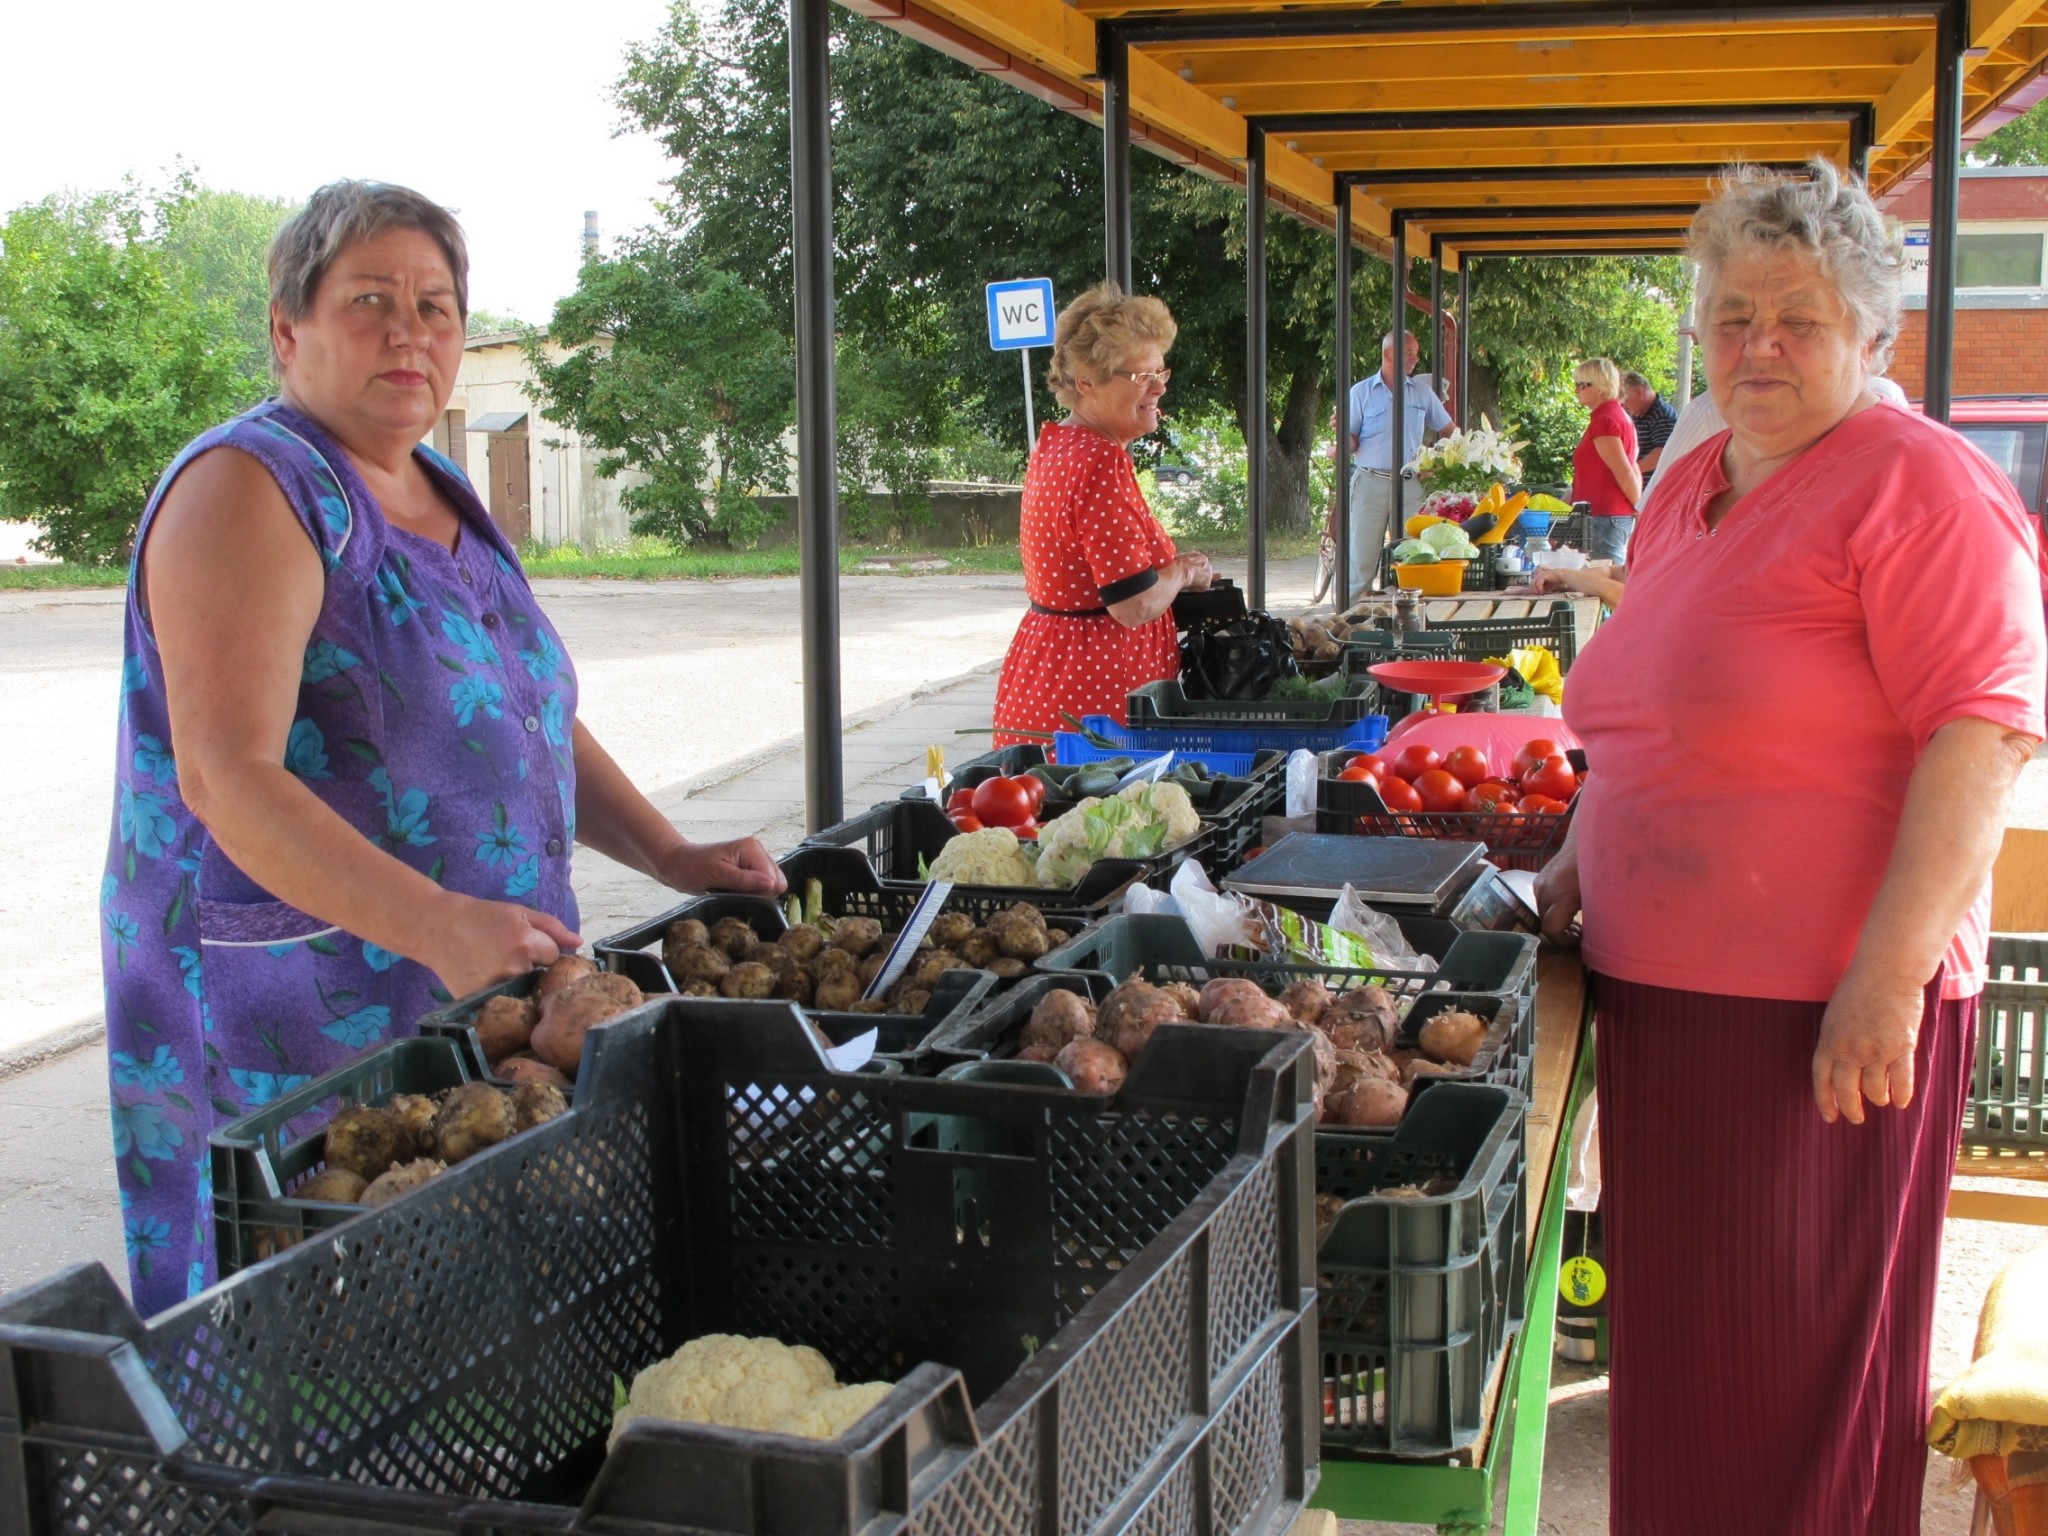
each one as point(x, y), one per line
point(1471, 460)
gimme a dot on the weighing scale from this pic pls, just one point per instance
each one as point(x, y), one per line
point(1408, 877)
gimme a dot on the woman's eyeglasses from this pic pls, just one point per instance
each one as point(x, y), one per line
point(1582, 384)
point(1159, 376)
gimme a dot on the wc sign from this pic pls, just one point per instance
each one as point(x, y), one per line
point(1020, 313)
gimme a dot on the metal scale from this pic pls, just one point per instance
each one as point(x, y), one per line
point(1412, 878)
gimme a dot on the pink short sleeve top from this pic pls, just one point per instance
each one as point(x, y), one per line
point(1753, 711)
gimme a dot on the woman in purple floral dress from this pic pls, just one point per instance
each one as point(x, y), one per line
point(350, 766)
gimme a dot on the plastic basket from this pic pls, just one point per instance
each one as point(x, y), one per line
point(1162, 948)
point(1118, 1300)
point(1442, 578)
point(1007, 761)
point(1513, 841)
point(1165, 706)
point(1210, 743)
point(1479, 639)
point(2007, 1110)
point(1419, 1295)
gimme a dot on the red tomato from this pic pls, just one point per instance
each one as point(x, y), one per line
point(1357, 775)
point(1467, 765)
point(1035, 788)
point(1503, 791)
point(1027, 833)
point(1002, 802)
point(1540, 805)
point(1492, 798)
point(960, 800)
point(1399, 795)
point(1532, 753)
point(1372, 763)
point(1552, 778)
point(1440, 791)
point(1414, 760)
point(965, 821)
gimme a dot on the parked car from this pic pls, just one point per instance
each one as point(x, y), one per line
point(2012, 432)
point(1176, 474)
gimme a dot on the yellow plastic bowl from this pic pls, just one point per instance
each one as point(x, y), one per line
point(1444, 579)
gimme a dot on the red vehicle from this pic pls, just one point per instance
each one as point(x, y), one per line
point(2012, 432)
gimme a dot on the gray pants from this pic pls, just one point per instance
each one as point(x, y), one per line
point(1607, 538)
point(1372, 509)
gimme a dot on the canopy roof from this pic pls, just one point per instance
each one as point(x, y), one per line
point(1502, 125)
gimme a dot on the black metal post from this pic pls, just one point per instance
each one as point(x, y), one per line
point(1464, 342)
point(1437, 371)
point(1340, 578)
point(1255, 365)
point(1944, 209)
point(817, 469)
point(1113, 61)
point(1859, 145)
point(1397, 418)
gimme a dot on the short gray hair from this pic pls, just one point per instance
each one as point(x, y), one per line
point(342, 214)
point(1387, 340)
point(1825, 216)
point(1635, 381)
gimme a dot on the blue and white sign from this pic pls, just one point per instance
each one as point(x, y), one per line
point(1020, 314)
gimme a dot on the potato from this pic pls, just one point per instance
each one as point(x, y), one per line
point(684, 932)
point(366, 1141)
point(337, 1186)
point(911, 1003)
point(1007, 968)
point(1325, 1055)
point(1422, 1066)
point(1020, 932)
point(796, 987)
point(1307, 1000)
point(837, 992)
point(700, 962)
point(734, 935)
point(803, 941)
point(1243, 1003)
point(1130, 1014)
point(504, 1025)
point(570, 968)
point(1454, 1036)
point(748, 979)
point(1035, 1053)
point(417, 1111)
point(876, 1005)
point(1093, 1066)
point(401, 1180)
point(1186, 998)
point(1363, 1006)
point(473, 1117)
point(979, 948)
point(1059, 1018)
point(536, 1104)
point(949, 929)
point(527, 1068)
point(572, 1014)
point(1357, 1034)
point(1058, 936)
point(856, 935)
point(829, 960)
point(697, 989)
point(1329, 650)
point(1374, 1103)
point(926, 969)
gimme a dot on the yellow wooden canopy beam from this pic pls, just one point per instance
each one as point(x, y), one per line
point(1819, 86)
point(1909, 103)
point(1509, 194)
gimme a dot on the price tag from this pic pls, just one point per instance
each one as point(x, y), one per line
point(915, 927)
point(1581, 1281)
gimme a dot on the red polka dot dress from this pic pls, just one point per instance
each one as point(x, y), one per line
point(1088, 541)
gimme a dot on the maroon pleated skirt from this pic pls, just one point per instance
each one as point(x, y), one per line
point(1771, 1277)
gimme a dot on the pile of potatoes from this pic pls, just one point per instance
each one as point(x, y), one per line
point(1322, 638)
point(375, 1153)
point(539, 1039)
point(1362, 1079)
point(829, 963)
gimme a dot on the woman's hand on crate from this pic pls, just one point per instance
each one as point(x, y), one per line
point(480, 943)
point(742, 864)
point(1557, 894)
point(1866, 1044)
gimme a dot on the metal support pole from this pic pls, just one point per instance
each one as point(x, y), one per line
point(1464, 342)
point(1030, 425)
point(1437, 371)
point(1255, 365)
point(1944, 209)
point(817, 469)
point(1340, 578)
point(1113, 58)
point(1397, 418)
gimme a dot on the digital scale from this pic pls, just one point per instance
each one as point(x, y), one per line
point(1407, 877)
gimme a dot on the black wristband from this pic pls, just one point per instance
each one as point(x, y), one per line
point(1130, 586)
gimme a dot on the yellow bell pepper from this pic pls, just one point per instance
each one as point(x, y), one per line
point(1421, 520)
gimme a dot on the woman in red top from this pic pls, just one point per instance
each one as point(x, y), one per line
point(1604, 473)
point(1100, 572)
point(1803, 730)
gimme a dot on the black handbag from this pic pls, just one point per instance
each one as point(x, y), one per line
point(1236, 658)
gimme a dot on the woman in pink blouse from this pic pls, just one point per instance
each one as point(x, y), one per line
point(1803, 730)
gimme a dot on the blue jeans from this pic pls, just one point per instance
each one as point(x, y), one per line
point(1607, 537)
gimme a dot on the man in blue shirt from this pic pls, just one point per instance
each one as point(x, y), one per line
point(1372, 476)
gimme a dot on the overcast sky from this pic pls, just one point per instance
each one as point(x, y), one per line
point(502, 111)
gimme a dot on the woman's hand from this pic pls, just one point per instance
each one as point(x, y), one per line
point(480, 943)
point(742, 864)
point(1196, 571)
point(1866, 1045)
point(1557, 896)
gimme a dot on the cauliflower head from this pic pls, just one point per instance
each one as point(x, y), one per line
point(992, 856)
point(831, 1414)
point(1168, 802)
point(722, 1378)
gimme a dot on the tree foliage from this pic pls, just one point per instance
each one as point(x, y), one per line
point(2023, 141)
point(112, 356)
point(220, 241)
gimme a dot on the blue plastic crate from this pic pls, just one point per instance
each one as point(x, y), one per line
point(1226, 751)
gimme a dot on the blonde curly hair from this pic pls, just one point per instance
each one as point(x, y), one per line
point(1097, 331)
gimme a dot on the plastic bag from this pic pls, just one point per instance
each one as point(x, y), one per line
point(1390, 946)
point(1301, 784)
point(1239, 658)
point(1217, 921)
point(1582, 1175)
point(1141, 900)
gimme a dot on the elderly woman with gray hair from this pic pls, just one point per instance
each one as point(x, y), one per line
point(350, 768)
point(1803, 729)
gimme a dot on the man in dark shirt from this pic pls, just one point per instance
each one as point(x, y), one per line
point(1654, 421)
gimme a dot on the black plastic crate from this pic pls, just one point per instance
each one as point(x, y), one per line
point(1475, 639)
point(1005, 761)
point(1162, 948)
point(1120, 1303)
point(1353, 808)
point(1166, 706)
point(2007, 1110)
point(1419, 1294)
point(902, 837)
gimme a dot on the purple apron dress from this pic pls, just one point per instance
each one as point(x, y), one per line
point(434, 716)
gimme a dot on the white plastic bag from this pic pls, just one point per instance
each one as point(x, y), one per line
point(1582, 1176)
point(1217, 921)
point(1301, 784)
point(1390, 947)
point(1141, 900)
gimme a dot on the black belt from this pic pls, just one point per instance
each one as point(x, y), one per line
point(1070, 613)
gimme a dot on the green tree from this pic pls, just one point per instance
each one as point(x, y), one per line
point(110, 361)
point(220, 242)
point(676, 370)
point(2023, 141)
point(488, 322)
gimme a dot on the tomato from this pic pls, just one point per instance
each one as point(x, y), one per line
point(965, 821)
point(1357, 775)
point(1002, 802)
point(1375, 765)
point(1533, 752)
point(1552, 778)
point(960, 800)
point(1414, 760)
point(1467, 765)
point(1492, 798)
point(1399, 795)
point(1027, 833)
point(1035, 788)
point(1440, 791)
point(1541, 805)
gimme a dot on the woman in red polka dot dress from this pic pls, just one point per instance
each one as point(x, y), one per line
point(1100, 572)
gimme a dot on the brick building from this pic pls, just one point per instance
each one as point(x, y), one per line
point(2001, 284)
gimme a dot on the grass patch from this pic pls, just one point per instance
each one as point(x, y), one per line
point(651, 560)
point(52, 578)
